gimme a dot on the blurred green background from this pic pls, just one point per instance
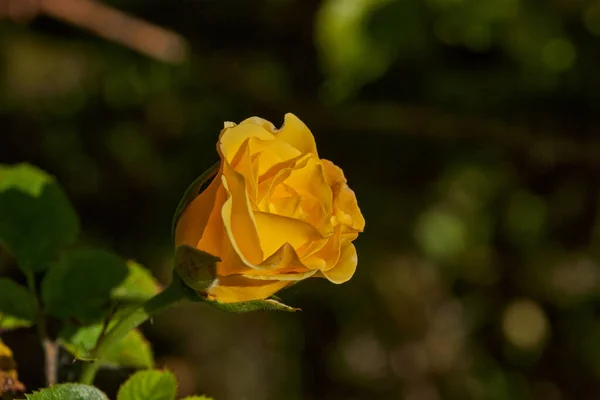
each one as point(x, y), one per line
point(467, 128)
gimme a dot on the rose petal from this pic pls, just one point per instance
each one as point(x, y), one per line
point(231, 139)
point(195, 217)
point(282, 265)
point(275, 176)
point(310, 180)
point(214, 232)
point(344, 200)
point(267, 125)
point(287, 202)
point(330, 253)
point(296, 133)
point(333, 173)
point(236, 288)
point(276, 230)
point(242, 163)
point(317, 197)
point(268, 153)
point(346, 208)
point(311, 248)
point(238, 218)
point(346, 265)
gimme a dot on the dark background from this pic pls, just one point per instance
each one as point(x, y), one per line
point(467, 128)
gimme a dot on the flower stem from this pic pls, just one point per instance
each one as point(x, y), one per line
point(49, 347)
point(175, 292)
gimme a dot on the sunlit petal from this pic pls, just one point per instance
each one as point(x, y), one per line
point(231, 138)
point(344, 200)
point(276, 230)
point(214, 234)
point(238, 218)
point(346, 265)
point(194, 219)
point(282, 265)
point(236, 288)
point(296, 133)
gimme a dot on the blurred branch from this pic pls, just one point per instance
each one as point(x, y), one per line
point(104, 21)
point(542, 139)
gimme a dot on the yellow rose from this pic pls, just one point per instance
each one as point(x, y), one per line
point(274, 214)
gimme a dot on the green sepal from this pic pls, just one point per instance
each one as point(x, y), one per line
point(192, 192)
point(70, 391)
point(254, 305)
point(197, 268)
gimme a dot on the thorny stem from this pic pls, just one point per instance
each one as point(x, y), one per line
point(105, 324)
point(171, 295)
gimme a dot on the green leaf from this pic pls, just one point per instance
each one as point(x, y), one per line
point(16, 304)
point(7, 322)
point(195, 267)
point(132, 351)
point(80, 285)
point(246, 306)
point(36, 217)
point(80, 341)
point(149, 385)
point(193, 191)
point(68, 391)
point(138, 287)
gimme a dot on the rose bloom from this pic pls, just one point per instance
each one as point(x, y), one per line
point(274, 214)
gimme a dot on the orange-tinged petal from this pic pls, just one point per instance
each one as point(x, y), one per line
point(231, 262)
point(238, 218)
point(235, 288)
point(276, 230)
point(296, 133)
point(346, 265)
point(195, 217)
point(214, 231)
